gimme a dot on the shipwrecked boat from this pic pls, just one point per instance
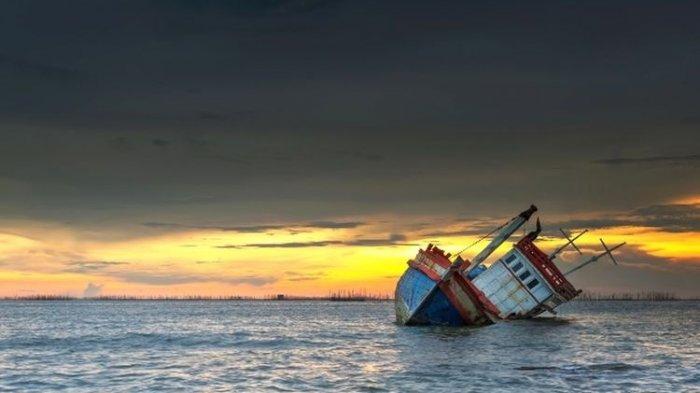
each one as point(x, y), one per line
point(523, 283)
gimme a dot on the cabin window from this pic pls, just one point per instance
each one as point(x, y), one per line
point(525, 275)
point(517, 266)
point(533, 283)
point(511, 258)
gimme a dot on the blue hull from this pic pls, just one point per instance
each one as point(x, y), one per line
point(420, 302)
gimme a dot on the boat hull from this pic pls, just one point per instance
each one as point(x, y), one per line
point(437, 290)
point(522, 284)
point(419, 301)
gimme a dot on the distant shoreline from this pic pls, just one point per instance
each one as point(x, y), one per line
point(185, 299)
point(617, 297)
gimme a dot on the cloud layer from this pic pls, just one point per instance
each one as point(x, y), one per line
point(667, 217)
point(169, 144)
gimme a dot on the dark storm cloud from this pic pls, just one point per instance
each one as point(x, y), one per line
point(687, 159)
point(673, 217)
point(669, 217)
point(323, 243)
point(469, 226)
point(34, 69)
point(161, 142)
point(207, 115)
point(259, 228)
point(474, 228)
point(391, 240)
point(670, 211)
point(297, 111)
point(241, 229)
point(334, 224)
point(394, 239)
point(591, 223)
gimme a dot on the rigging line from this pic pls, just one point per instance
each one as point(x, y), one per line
point(482, 238)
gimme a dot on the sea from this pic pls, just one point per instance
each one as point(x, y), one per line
point(303, 346)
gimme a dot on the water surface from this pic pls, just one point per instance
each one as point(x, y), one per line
point(321, 346)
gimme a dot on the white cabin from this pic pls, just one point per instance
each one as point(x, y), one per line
point(516, 287)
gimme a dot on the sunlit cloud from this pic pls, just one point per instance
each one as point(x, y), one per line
point(257, 228)
point(362, 254)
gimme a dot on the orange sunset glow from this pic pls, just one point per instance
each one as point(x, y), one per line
point(51, 259)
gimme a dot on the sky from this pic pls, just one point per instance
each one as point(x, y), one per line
point(173, 148)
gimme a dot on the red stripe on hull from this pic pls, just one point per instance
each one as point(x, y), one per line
point(432, 274)
point(467, 299)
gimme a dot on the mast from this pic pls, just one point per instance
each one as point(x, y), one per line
point(570, 241)
point(608, 251)
point(503, 235)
